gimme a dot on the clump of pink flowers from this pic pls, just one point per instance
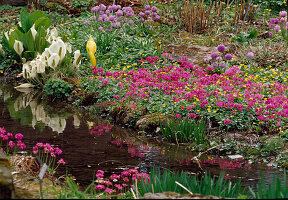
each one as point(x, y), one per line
point(49, 155)
point(10, 143)
point(119, 183)
point(100, 129)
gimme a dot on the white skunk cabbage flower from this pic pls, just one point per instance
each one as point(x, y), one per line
point(52, 35)
point(34, 32)
point(40, 63)
point(77, 58)
point(6, 35)
point(33, 67)
point(2, 52)
point(68, 47)
point(53, 60)
point(26, 70)
point(18, 47)
point(59, 48)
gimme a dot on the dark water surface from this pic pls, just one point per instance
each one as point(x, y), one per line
point(90, 143)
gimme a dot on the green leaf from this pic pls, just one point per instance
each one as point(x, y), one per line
point(253, 34)
point(33, 17)
point(24, 17)
point(28, 41)
point(43, 21)
point(40, 41)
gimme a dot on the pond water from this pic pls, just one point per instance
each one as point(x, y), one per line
point(90, 143)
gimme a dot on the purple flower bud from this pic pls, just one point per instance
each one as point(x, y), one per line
point(150, 19)
point(215, 64)
point(101, 12)
point(221, 48)
point(206, 60)
point(141, 19)
point(228, 56)
point(107, 12)
point(219, 58)
point(147, 12)
point(86, 22)
point(102, 7)
point(111, 18)
point(114, 7)
point(131, 22)
point(141, 14)
point(154, 9)
point(250, 54)
point(95, 9)
point(222, 65)
point(214, 55)
point(110, 8)
point(119, 7)
point(283, 14)
point(119, 13)
point(93, 17)
point(147, 7)
point(270, 34)
point(118, 24)
point(157, 17)
point(277, 28)
point(101, 29)
point(271, 26)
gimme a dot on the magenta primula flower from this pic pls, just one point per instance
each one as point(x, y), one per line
point(61, 161)
point(227, 121)
point(100, 187)
point(11, 144)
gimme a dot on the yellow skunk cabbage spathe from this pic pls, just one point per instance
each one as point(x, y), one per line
point(91, 50)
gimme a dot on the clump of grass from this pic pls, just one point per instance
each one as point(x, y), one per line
point(278, 189)
point(185, 130)
point(206, 185)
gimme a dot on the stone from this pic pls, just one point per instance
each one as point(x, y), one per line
point(6, 180)
point(142, 123)
point(174, 195)
point(233, 157)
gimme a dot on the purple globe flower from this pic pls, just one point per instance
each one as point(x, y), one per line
point(157, 17)
point(150, 19)
point(119, 13)
point(222, 65)
point(131, 22)
point(107, 12)
point(147, 12)
point(228, 56)
point(101, 29)
point(250, 54)
point(206, 60)
point(271, 26)
point(111, 18)
point(277, 28)
point(221, 48)
point(119, 7)
point(110, 8)
point(270, 34)
point(101, 12)
point(141, 19)
point(141, 14)
point(114, 7)
point(93, 17)
point(283, 14)
point(102, 7)
point(214, 55)
point(215, 64)
point(147, 7)
point(95, 9)
point(86, 22)
point(219, 58)
point(154, 9)
point(118, 24)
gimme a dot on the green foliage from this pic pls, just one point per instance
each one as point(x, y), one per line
point(278, 189)
point(73, 191)
point(187, 130)
point(275, 5)
point(24, 34)
point(245, 37)
point(58, 88)
point(206, 185)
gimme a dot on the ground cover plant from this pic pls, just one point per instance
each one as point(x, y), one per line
point(239, 85)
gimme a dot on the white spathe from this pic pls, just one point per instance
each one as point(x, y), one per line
point(77, 58)
point(34, 32)
point(26, 70)
point(18, 47)
point(58, 47)
point(53, 60)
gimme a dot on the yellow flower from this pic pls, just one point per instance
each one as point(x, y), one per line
point(91, 50)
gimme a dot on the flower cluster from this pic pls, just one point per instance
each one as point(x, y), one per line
point(110, 17)
point(119, 184)
point(100, 129)
point(217, 63)
point(150, 14)
point(51, 57)
point(279, 24)
point(10, 143)
point(48, 154)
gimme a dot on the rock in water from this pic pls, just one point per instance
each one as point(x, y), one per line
point(6, 180)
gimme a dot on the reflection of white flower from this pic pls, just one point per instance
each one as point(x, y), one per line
point(76, 121)
point(18, 47)
point(57, 124)
point(6, 96)
point(1, 92)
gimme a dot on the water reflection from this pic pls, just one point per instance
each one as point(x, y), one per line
point(90, 143)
